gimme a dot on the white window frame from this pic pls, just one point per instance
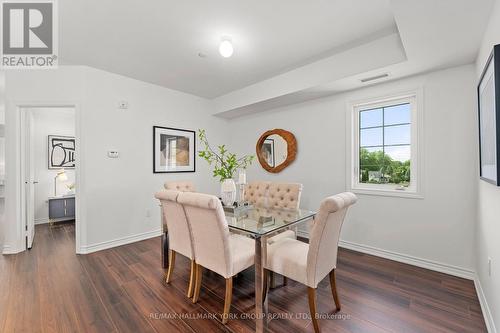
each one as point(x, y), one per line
point(414, 190)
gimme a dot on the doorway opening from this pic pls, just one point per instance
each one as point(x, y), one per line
point(48, 170)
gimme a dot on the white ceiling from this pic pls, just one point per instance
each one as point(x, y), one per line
point(286, 51)
point(435, 34)
point(158, 41)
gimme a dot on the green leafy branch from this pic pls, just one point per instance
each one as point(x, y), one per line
point(225, 163)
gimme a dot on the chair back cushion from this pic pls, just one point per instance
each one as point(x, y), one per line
point(324, 236)
point(284, 195)
point(183, 186)
point(274, 195)
point(256, 193)
point(210, 231)
point(179, 233)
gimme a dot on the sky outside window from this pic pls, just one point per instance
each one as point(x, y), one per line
point(388, 126)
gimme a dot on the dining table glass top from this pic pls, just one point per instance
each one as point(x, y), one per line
point(259, 221)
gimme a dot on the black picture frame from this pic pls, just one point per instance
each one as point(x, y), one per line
point(493, 60)
point(192, 153)
point(68, 145)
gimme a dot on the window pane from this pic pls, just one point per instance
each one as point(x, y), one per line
point(398, 114)
point(385, 145)
point(371, 163)
point(370, 118)
point(398, 170)
point(397, 135)
point(370, 137)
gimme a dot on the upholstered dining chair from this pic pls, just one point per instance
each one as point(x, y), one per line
point(310, 263)
point(284, 196)
point(179, 234)
point(216, 248)
point(256, 193)
point(274, 195)
point(182, 185)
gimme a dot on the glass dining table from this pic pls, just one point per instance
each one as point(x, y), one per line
point(260, 224)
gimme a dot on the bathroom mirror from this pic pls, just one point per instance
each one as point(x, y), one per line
point(276, 149)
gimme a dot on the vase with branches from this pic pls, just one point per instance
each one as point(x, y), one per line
point(225, 164)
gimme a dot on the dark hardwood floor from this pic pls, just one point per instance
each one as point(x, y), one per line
point(50, 289)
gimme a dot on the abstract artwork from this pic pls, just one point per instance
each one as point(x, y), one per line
point(489, 119)
point(173, 150)
point(61, 152)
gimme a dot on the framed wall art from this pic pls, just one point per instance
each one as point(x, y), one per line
point(489, 119)
point(61, 152)
point(174, 150)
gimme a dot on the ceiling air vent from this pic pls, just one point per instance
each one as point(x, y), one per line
point(368, 79)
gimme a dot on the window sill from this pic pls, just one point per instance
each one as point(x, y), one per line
point(388, 193)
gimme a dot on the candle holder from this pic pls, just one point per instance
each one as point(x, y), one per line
point(242, 194)
point(242, 181)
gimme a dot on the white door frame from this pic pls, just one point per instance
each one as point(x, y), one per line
point(21, 207)
point(26, 163)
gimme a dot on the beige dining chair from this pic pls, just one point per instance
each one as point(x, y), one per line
point(310, 263)
point(256, 193)
point(216, 248)
point(274, 195)
point(179, 234)
point(182, 185)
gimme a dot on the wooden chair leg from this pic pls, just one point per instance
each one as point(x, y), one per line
point(171, 263)
point(197, 285)
point(227, 300)
point(333, 284)
point(312, 308)
point(191, 279)
point(265, 287)
point(285, 280)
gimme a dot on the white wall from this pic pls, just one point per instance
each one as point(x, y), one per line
point(439, 227)
point(120, 191)
point(49, 121)
point(116, 194)
point(488, 222)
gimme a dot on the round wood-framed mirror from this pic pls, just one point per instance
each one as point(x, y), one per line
point(276, 149)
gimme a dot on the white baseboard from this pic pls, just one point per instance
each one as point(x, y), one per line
point(7, 249)
point(411, 260)
point(85, 249)
point(44, 220)
point(404, 258)
point(488, 318)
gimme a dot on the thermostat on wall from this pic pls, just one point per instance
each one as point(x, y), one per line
point(113, 154)
point(123, 105)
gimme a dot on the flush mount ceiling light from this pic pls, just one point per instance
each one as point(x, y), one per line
point(226, 47)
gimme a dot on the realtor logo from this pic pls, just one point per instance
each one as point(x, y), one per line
point(29, 36)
